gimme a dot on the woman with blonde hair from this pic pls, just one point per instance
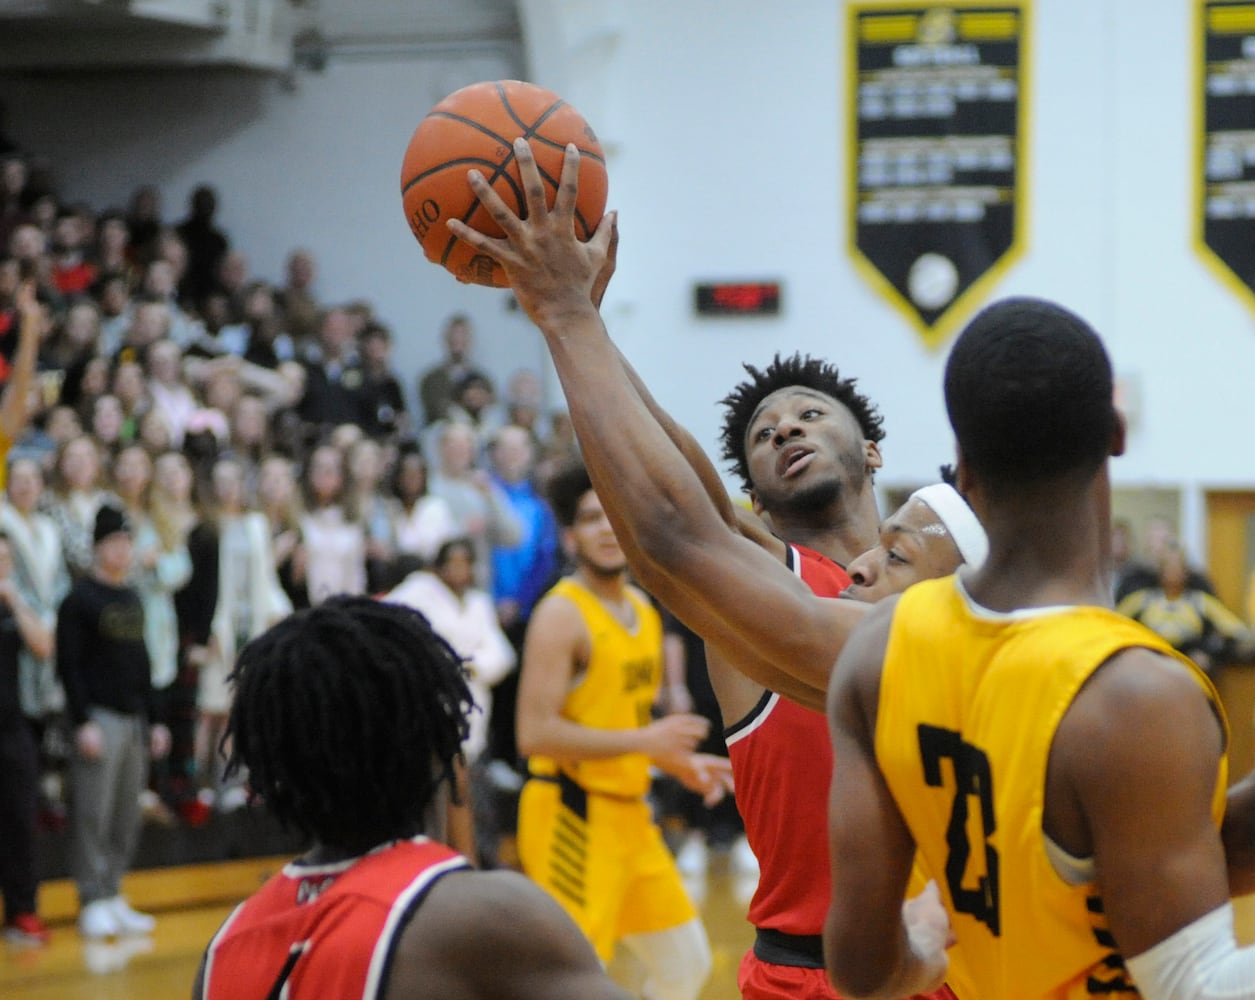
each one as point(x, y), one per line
point(250, 597)
point(335, 541)
point(280, 502)
point(194, 603)
point(161, 566)
point(366, 465)
point(77, 494)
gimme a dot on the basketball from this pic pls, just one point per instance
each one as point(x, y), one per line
point(475, 128)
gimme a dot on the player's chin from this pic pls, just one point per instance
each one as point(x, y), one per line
point(611, 565)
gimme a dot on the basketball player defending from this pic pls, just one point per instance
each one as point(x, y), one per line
point(592, 665)
point(336, 708)
point(1058, 770)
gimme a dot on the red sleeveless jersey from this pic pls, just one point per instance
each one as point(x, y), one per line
point(782, 763)
point(325, 930)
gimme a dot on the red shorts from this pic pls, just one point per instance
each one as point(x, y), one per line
point(759, 980)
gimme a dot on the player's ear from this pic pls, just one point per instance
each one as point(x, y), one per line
point(1118, 435)
point(871, 455)
point(962, 476)
point(755, 505)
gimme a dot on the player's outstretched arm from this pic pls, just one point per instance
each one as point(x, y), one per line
point(495, 936)
point(873, 947)
point(14, 408)
point(663, 517)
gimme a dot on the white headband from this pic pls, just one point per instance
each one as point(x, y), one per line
point(957, 517)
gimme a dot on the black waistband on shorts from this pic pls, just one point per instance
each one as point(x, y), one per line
point(564, 781)
point(801, 951)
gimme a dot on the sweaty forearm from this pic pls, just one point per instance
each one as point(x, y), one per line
point(566, 740)
point(14, 411)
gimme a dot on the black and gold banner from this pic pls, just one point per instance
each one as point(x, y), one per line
point(937, 108)
point(1225, 160)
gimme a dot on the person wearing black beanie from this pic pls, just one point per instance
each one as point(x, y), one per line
point(103, 664)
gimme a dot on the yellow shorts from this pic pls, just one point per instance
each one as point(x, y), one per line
point(603, 859)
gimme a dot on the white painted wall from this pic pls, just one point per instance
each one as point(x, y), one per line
point(723, 121)
point(726, 120)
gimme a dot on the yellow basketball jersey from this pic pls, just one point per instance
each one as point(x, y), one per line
point(616, 691)
point(969, 704)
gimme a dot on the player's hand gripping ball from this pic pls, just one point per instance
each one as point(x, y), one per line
point(475, 128)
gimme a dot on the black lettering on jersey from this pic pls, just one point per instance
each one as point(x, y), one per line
point(1116, 979)
point(1110, 976)
point(638, 674)
point(972, 779)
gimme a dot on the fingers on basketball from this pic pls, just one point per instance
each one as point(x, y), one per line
point(475, 128)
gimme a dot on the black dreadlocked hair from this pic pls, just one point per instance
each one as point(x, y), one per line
point(349, 717)
point(811, 373)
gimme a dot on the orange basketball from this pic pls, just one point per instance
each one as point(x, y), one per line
point(475, 128)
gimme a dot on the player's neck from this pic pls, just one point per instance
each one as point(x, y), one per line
point(1048, 550)
point(842, 532)
point(326, 854)
point(608, 587)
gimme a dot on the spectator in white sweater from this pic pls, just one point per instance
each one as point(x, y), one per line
point(466, 618)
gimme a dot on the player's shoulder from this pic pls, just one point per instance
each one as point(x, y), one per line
point(1139, 690)
point(471, 920)
point(558, 599)
point(468, 895)
point(1144, 676)
point(558, 614)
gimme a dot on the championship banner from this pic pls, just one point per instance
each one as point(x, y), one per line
point(937, 100)
point(1225, 145)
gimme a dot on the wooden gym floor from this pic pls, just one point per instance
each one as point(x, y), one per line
point(191, 902)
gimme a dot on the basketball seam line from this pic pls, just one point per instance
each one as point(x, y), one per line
point(491, 135)
point(529, 132)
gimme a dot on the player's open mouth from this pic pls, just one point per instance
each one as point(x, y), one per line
point(793, 460)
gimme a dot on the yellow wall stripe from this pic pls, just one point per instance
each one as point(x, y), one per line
point(1237, 20)
point(889, 28)
point(988, 27)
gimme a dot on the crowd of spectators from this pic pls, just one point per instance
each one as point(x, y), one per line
point(257, 441)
